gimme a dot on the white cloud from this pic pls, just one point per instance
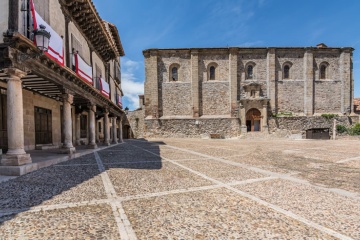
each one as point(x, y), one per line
point(131, 86)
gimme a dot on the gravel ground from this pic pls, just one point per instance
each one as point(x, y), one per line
point(191, 189)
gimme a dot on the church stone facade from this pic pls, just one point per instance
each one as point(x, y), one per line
point(232, 91)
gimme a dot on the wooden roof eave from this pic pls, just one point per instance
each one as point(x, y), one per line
point(88, 21)
point(24, 44)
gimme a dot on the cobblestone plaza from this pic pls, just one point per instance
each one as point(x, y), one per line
point(191, 189)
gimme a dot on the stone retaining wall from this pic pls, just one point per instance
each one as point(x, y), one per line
point(192, 128)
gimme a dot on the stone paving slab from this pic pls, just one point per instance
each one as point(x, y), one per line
point(328, 209)
point(133, 179)
point(220, 171)
point(86, 159)
point(86, 222)
point(52, 185)
point(212, 214)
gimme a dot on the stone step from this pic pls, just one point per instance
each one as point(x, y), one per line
point(46, 146)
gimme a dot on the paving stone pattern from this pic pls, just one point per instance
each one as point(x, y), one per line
point(191, 189)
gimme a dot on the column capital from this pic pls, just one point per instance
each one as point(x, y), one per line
point(68, 98)
point(92, 107)
point(106, 110)
point(15, 73)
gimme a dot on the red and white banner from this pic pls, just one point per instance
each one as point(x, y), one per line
point(119, 101)
point(105, 88)
point(56, 46)
point(82, 69)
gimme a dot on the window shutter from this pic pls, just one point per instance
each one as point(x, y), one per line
point(76, 45)
point(42, 8)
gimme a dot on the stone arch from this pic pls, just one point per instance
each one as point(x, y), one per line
point(174, 72)
point(253, 120)
point(286, 70)
point(250, 70)
point(212, 71)
point(323, 70)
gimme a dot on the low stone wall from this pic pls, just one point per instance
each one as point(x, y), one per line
point(286, 126)
point(136, 121)
point(192, 128)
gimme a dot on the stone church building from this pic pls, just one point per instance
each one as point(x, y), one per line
point(60, 81)
point(232, 91)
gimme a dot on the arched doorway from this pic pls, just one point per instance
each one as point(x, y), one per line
point(253, 120)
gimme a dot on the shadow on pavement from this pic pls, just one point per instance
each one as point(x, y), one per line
point(56, 184)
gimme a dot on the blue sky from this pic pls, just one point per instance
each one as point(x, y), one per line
point(144, 24)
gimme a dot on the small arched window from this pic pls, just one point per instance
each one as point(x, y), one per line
point(212, 73)
point(323, 71)
point(250, 72)
point(286, 72)
point(174, 73)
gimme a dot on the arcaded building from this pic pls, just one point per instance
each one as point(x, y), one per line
point(60, 79)
point(232, 91)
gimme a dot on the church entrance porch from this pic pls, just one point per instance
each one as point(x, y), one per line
point(253, 120)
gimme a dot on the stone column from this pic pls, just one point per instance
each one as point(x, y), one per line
point(233, 68)
point(264, 114)
point(243, 119)
point(308, 82)
point(120, 131)
point(67, 130)
point(195, 82)
point(106, 128)
point(271, 80)
point(346, 81)
point(16, 155)
point(152, 84)
point(77, 129)
point(114, 130)
point(97, 137)
point(92, 130)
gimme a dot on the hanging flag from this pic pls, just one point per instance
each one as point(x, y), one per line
point(83, 70)
point(105, 89)
point(56, 46)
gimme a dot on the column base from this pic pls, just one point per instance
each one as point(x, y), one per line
point(243, 129)
point(107, 143)
point(114, 142)
point(65, 150)
point(15, 160)
point(92, 146)
point(18, 170)
point(77, 143)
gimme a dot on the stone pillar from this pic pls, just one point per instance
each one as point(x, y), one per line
point(67, 130)
point(271, 79)
point(114, 130)
point(243, 119)
point(346, 81)
point(195, 82)
point(120, 131)
point(308, 82)
point(16, 155)
point(97, 137)
point(233, 68)
point(151, 83)
point(106, 128)
point(92, 127)
point(265, 126)
point(77, 129)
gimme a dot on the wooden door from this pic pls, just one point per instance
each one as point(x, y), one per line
point(43, 126)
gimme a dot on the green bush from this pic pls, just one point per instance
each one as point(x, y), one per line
point(341, 129)
point(355, 130)
point(329, 115)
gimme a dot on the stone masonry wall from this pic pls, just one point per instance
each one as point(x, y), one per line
point(299, 125)
point(201, 128)
point(30, 101)
point(166, 59)
point(222, 62)
point(216, 95)
point(136, 120)
point(327, 97)
point(176, 98)
point(290, 96)
point(296, 61)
